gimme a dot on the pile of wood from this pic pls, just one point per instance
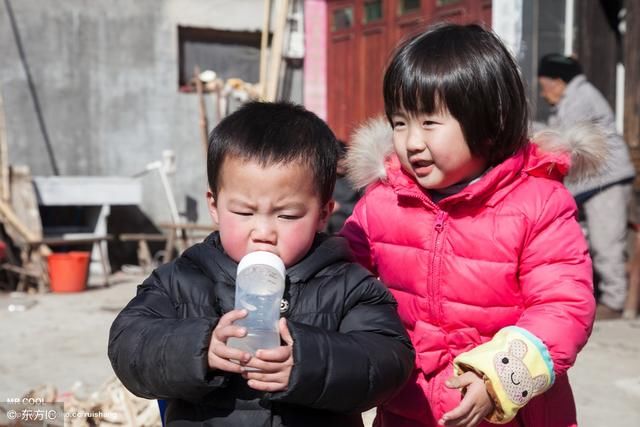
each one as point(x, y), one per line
point(112, 405)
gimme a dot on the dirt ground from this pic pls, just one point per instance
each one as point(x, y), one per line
point(62, 340)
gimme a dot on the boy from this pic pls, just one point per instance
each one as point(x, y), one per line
point(271, 171)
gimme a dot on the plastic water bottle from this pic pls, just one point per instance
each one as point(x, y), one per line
point(259, 288)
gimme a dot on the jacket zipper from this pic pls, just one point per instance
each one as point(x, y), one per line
point(435, 264)
point(433, 276)
point(433, 289)
point(440, 220)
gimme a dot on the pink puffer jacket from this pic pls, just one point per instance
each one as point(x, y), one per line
point(507, 250)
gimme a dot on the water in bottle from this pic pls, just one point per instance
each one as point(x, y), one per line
point(259, 288)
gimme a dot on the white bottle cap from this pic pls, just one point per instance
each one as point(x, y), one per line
point(262, 257)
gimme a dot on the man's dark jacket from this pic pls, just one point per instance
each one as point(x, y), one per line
point(350, 349)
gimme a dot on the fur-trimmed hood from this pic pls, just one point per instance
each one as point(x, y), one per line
point(574, 154)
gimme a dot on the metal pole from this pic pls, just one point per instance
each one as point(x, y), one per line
point(568, 27)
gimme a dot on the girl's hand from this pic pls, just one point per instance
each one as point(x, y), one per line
point(274, 365)
point(475, 405)
point(219, 354)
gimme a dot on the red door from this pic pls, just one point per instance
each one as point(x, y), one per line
point(373, 51)
point(342, 67)
point(362, 36)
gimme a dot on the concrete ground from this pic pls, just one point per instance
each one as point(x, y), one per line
point(62, 340)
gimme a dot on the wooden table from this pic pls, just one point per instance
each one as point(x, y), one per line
point(182, 235)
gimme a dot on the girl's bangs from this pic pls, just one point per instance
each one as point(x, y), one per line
point(414, 91)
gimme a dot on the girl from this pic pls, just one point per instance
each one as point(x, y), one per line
point(471, 228)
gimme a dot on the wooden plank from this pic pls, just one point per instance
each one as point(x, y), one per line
point(263, 49)
point(275, 58)
point(632, 137)
point(204, 124)
point(187, 226)
point(16, 225)
point(5, 192)
point(24, 205)
point(633, 295)
point(145, 260)
point(63, 241)
point(632, 83)
point(150, 237)
point(29, 270)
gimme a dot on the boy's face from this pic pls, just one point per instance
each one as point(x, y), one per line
point(274, 208)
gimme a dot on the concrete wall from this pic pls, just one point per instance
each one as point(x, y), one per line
point(106, 77)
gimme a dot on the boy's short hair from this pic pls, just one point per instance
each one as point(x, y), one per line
point(275, 133)
point(558, 66)
point(468, 71)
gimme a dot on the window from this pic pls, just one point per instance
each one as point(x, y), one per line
point(408, 6)
point(446, 2)
point(342, 19)
point(372, 11)
point(228, 53)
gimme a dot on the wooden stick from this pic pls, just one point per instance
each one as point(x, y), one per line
point(30, 238)
point(216, 103)
point(204, 125)
point(5, 190)
point(276, 51)
point(263, 49)
point(633, 294)
point(127, 406)
point(14, 222)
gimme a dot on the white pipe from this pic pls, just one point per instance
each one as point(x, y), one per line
point(171, 201)
point(568, 27)
point(173, 209)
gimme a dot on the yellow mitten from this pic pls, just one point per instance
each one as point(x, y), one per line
point(515, 365)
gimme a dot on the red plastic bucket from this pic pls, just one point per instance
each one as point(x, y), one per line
point(68, 271)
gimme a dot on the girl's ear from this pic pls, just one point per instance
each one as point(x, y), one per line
point(213, 209)
point(325, 214)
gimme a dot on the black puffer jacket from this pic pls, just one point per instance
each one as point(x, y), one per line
point(350, 350)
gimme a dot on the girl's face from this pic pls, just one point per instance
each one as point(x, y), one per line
point(432, 148)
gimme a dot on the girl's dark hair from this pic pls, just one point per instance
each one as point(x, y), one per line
point(466, 70)
point(275, 133)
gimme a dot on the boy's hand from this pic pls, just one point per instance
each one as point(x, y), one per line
point(274, 364)
point(219, 354)
point(475, 405)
